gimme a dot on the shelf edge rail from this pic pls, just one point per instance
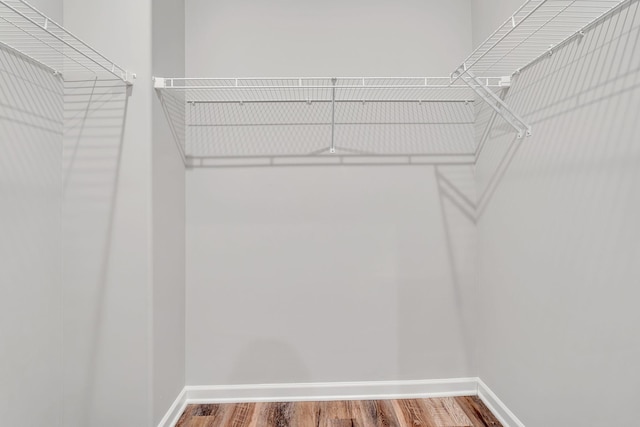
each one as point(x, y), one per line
point(488, 55)
point(21, 24)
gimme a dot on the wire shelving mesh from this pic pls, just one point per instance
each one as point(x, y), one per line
point(302, 117)
point(28, 31)
point(319, 89)
point(532, 31)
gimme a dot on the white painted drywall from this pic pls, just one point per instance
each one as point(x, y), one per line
point(281, 38)
point(302, 274)
point(107, 226)
point(559, 239)
point(31, 109)
point(309, 274)
point(487, 15)
point(51, 8)
point(168, 218)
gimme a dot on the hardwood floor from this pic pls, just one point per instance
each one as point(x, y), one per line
point(466, 411)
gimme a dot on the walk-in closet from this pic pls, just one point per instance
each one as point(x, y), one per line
point(296, 213)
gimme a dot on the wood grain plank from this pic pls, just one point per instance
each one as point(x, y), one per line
point(374, 413)
point(335, 414)
point(386, 414)
point(305, 414)
point(364, 413)
point(445, 412)
point(214, 415)
point(477, 412)
point(466, 411)
point(183, 421)
point(272, 414)
point(205, 410)
point(458, 417)
point(412, 412)
point(240, 415)
point(256, 416)
point(199, 421)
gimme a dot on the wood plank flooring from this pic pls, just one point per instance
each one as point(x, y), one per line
point(466, 411)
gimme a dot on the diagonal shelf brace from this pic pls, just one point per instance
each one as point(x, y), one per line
point(493, 101)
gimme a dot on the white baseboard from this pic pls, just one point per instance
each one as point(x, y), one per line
point(497, 407)
point(331, 391)
point(175, 411)
point(340, 391)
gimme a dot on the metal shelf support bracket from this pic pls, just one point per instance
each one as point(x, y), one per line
point(493, 100)
point(159, 83)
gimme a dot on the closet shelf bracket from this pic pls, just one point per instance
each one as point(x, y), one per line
point(492, 99)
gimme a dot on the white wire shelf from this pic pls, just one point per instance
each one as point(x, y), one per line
point(28, 31)
point(320, 89)
point(236, 118)
point(534, 30)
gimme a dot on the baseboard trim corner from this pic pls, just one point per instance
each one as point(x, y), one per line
point(497, 406)
point(172, 416)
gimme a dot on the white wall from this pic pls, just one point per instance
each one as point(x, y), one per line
point(322, 273)
point(168, 218)
point(559, 236)
point(31, 110)
point(487, 15)
point(107, 225)
point(281, 38)
point(51, 8)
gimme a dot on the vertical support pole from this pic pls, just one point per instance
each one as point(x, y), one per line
point(333, 115)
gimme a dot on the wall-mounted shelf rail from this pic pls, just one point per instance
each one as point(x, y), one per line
point(314, 116)
point(28, 31)
point(533, 31)
point(319, 89)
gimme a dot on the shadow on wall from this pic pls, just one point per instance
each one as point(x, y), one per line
point(31, 111)
point(582, 104)
point(437, 134)
point(232, 134)
point(600, 66)
point(267, 361)
point(560, 236)
point(457, 193)
point(94, 123)
point(451, 285)
point(173, 106)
